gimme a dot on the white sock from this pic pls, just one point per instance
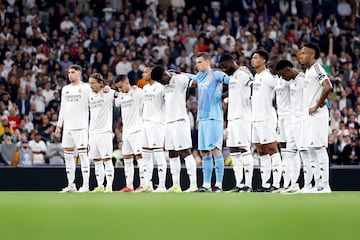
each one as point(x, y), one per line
point(237, 168)
point(148, 167)
point(191, 170)
point(109, 173)
point(70, 166)
point(285, 161)
point(162, 166)
point(315, 166)
point(85, 167)
point(265, 170)
point(308, 173)
point(129, 172)
point(141, 171)
point(323, 159)
point(276, 169)
point(99, 172)
point(290, 163)
point(175, 168)
point(295, 170)
point(248, 167)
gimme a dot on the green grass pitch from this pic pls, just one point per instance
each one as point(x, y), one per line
point(52, 216)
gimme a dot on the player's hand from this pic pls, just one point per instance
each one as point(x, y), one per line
point(106, 89)
point(312, 110)
point(58, 131)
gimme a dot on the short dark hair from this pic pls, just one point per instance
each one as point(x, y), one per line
point(226, 57)
point(315, 47)
point(204, 55)
point(157, 73)
point(263, 53)
point(76, 67)
point(121, 78)
point(283, 64)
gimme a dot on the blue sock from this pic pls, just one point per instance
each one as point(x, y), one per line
point(219, 168)
point(207, 170)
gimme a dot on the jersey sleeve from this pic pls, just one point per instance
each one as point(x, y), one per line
point(191, 76)
point(321, 75)
point(222, 77)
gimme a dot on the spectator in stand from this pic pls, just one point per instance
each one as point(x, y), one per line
point(351, 152)
point(38, 148)
point(39, 101)
point(48, 93)
point(7, 151)
point(24, 155)
point(55, 153)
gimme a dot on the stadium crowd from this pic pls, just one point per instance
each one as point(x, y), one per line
point(39, 40)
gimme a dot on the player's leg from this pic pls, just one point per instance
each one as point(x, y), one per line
point(135, 140)
point(233, 142)
point(268, 139)
point(264, 159)
point(147, 160)
point(157, 138)
point(109, 174)
point(175, 165)
point(70, 167)
point(216, 140)
point(106, 152)
point(148, 166)
point(158, 154)
point(129, 173)
point(70, 164)
point(190, 168)
point(318, 151)
point(95, 155)
point(307, 170)
point(175, 168)
point(99, 174)
point(128, 164)
point(81, 142)
point(248, 163)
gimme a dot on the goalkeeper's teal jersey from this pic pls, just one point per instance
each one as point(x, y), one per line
point(209, 94)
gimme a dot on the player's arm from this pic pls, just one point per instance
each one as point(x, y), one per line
point(326, 89)
point(60, 121)
point(191, 77)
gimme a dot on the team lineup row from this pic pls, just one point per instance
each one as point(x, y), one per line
point(155, 118)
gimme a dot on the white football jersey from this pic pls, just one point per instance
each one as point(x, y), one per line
point(154, 103)
point(101, 111)
point(175, 97)
point(297, 97)
point(262, 97)
point(239, 104)
point(74, 107)
point(282, 93)
point(131, 104)
point(314, 77)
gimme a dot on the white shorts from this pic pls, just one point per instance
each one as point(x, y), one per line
point(264, 132)
point(154, 134)
point(298, 133)
point(284, 129)
point(316, 131)
point(178, 136)
point(239, 133)
point(75, 139)
point(132, 143)
point(101, 145)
